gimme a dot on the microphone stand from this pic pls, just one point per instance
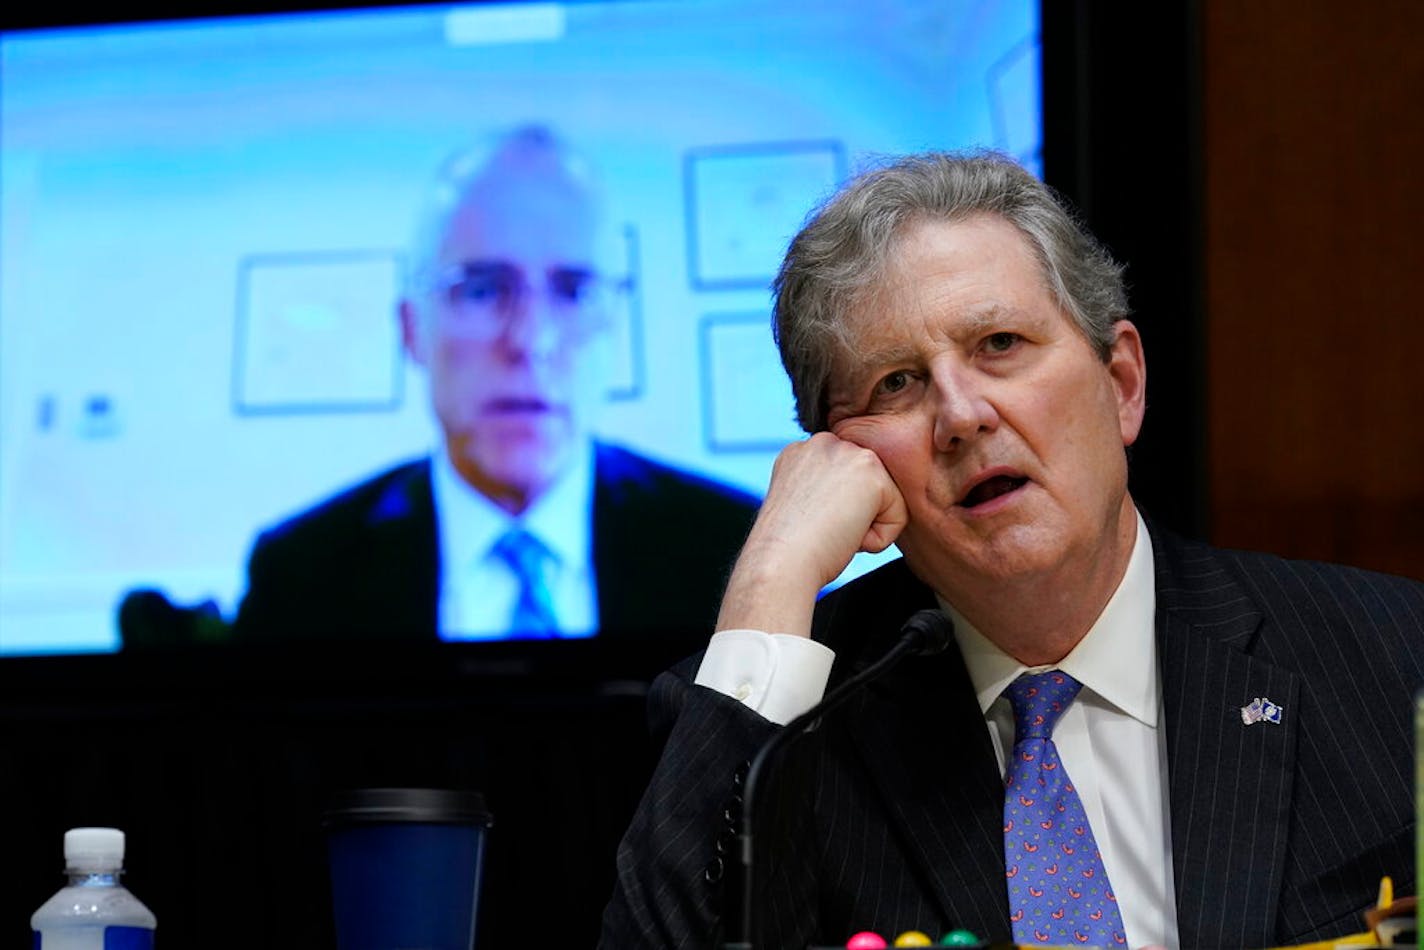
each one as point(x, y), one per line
point(926, 632)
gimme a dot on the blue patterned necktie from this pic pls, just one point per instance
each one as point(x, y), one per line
point(1058, 890)
point(526, 555)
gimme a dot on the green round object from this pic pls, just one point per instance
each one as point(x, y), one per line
point(959, 938)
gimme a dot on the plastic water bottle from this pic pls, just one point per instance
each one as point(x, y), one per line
point(94, 912)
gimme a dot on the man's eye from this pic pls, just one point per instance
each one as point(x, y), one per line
point(1001, 342)
point(894, 382)
point(571, 286)
point(481, 289)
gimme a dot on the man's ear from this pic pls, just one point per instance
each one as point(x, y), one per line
point(1127, 366)
point(413, 332)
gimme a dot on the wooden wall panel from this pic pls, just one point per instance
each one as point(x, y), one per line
point(1313, 135)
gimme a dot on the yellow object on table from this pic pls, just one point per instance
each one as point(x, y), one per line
point(1378, 919)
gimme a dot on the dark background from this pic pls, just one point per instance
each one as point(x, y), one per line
point(1254, 165)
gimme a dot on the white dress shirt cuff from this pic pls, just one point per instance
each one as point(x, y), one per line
point(776, 675)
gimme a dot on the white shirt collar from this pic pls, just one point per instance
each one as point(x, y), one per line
point(469, 524)
point(1117, 659)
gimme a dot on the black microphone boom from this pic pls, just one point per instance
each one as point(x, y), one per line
point(926, 632)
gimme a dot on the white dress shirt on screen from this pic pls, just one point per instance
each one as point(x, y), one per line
point(1110, 739)
point(478, 589)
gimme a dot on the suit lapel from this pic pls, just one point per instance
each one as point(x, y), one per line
point(401, 581)
point(620, 589)
point(922, 737)
point(1230, 782)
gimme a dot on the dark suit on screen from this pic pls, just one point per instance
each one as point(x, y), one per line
point(889, 815)
point(365, 564)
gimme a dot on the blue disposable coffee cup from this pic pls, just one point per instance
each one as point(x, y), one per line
point(405, 867)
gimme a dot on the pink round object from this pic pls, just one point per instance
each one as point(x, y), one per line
point(866, 940)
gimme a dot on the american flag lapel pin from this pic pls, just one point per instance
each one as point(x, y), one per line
point(1261, 709)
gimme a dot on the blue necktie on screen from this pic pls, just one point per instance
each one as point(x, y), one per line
point(1058, 889)
point(527, 556)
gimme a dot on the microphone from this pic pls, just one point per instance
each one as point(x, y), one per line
point(927, 632)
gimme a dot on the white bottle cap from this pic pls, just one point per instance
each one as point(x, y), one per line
point(94, 849)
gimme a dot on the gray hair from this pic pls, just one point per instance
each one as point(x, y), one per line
point(531, 149)
point(835, 261)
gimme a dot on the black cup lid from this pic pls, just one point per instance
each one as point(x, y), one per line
point(358, 806)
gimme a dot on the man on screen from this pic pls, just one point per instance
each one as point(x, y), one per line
point(522, 524)
point(1132, 739)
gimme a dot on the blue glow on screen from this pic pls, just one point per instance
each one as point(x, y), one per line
point(156, 177)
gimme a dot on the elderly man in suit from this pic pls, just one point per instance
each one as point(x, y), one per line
point(1134, 739)
point(522, 523)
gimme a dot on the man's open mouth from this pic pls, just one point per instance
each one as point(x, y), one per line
point(991, 488)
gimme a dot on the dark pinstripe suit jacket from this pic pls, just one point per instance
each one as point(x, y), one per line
point(888, 816)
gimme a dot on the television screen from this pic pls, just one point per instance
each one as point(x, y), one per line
point(211, 238)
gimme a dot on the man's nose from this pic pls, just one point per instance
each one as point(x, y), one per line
point(531, 328)
point(962, 408)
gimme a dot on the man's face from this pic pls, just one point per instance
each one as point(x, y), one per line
point(515, 354)
point(1001, 426)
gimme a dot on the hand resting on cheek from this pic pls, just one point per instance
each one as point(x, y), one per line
point(828, 500)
